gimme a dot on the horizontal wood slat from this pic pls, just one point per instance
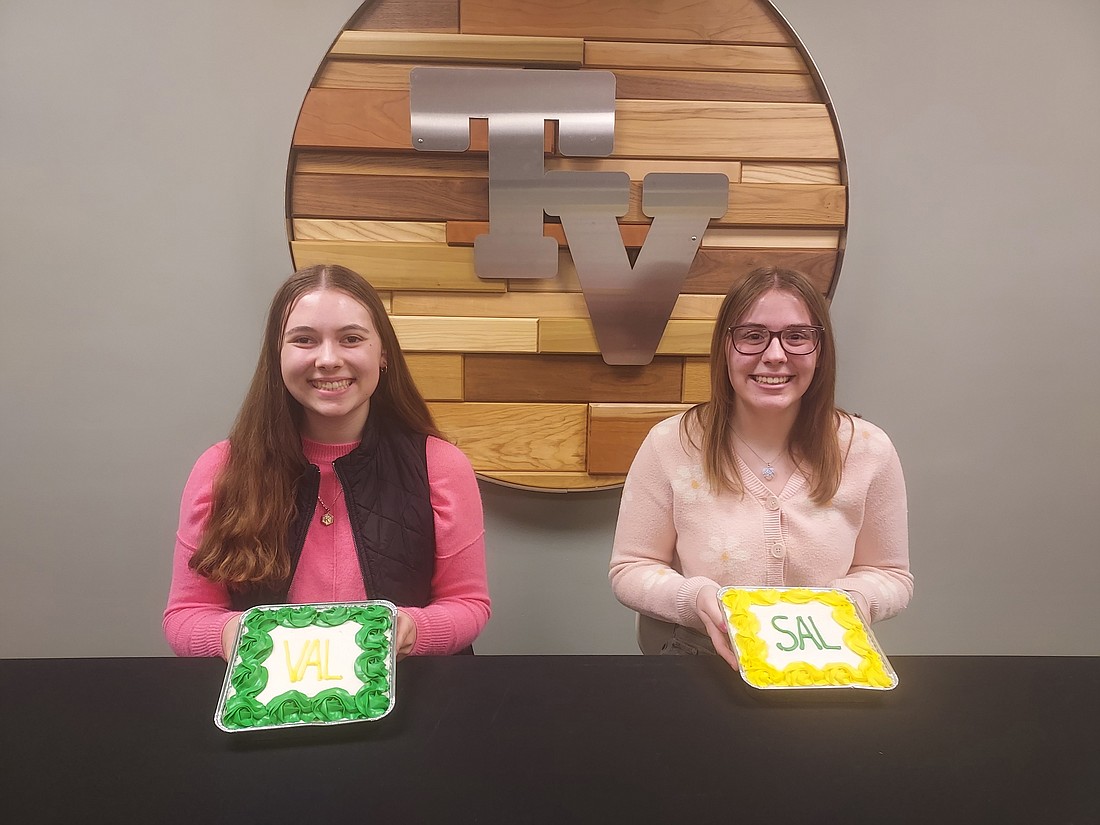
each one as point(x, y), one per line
point(464, 233)
point(305, 229)
point(615, 431)
point(790, 173)
point(523, 437)
point(558, 482)
point(475, 48)
point(638, 84)
point(575, 335)
point(443, 334)
point(399, 266)
point(765, 131)
point(387, 197)
point(715, 21)
point(438, 376)
point(691, 56)
point(423, 15)
point(569, 379)
point(696, 380)
point(516, 304)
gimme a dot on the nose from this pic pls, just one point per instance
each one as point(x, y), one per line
point(328, 355)
point(775, 352)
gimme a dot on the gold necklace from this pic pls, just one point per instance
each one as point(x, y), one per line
point(768, 473)
point(327, 518)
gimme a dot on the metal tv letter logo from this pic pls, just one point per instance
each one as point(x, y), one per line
point(629, 306)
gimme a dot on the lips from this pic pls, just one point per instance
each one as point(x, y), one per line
point(771, 380)
point(342, 384)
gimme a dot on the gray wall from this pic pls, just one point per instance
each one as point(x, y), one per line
point(143, 147)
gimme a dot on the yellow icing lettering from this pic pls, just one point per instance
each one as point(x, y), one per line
point(310, 656)
point(326, 673)
point(297, 669)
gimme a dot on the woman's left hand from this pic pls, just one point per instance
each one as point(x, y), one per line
point(710, 613)
point(405, 634)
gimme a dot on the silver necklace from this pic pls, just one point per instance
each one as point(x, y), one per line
point(768, 473)
point(327, 518)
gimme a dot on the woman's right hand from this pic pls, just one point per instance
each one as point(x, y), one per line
point(714, 620)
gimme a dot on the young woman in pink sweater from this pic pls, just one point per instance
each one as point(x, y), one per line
point(333, 486)
point(768, 483)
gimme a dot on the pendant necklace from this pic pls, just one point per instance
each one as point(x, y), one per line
point(327, 518)
point(768, 473)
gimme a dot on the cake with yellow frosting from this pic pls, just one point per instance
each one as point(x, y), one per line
point(803, 637)
point(309, 664)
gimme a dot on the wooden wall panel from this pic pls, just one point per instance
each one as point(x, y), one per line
point(399, 266)
point(615, 431)
point(423, 15)
point(517, 437)
point(438, 376)
point(564, 52)
point(696, 380)
point(510, 368)
point(419, 333)
point(715, 21)
point(569, 378)
point(691, 56)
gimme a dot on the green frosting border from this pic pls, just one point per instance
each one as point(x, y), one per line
point(248, 678)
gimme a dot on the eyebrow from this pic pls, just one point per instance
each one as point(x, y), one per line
point(348, 328)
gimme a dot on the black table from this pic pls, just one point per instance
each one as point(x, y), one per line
point(555, 739)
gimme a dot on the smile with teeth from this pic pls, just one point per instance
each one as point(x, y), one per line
point(343, 384)
point(771, 379)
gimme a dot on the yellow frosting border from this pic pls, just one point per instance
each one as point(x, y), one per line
point(744, 628)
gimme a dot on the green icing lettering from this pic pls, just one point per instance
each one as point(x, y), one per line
point(794, 639)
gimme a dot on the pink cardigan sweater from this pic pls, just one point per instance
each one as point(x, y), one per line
point(328, 570)
point(674, 535)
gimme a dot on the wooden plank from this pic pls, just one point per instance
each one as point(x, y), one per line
point(566, 279)
point(531, 305)
point(786, 204)
point(386, 197)
point(423, 15)
point(358, 118)
point(696, 380)
point(715, 21)
point(305, 229)
point(565, 378)
point(714, 271)
point(499, 305)
point(642, 84)
point(387, 301)
point(724, 238)
point(424, 333)
point(422, 164)
point(348, 73)
point(575, 335)
point(698, 56)
point(638, 169)
point(753, 172)
point(438, 376)
point(516, 437)
point(556, 482)
point(761, 131)
point(399, 266)
point(463, 233)
point(504, 47)
point(616, 431)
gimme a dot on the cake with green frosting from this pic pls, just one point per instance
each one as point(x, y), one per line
point(310, 664)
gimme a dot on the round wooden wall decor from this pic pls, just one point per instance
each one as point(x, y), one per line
point(511, 368)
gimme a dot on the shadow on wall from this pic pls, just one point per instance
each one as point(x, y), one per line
point(548, 557)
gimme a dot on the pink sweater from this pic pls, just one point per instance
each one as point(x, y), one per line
point(328, 570)
point(674, 535)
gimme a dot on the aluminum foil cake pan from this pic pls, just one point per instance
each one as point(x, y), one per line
point(296, 665)
point(803, 637)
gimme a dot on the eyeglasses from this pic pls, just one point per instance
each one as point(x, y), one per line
point(753, 339)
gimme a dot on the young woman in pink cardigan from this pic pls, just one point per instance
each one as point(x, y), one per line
point(333, 486)
point(768, 483)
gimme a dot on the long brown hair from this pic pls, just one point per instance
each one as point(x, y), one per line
point(814, 441)
point(254, 495)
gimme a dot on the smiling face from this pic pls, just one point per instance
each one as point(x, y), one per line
point(330, 359)
point(773, 381)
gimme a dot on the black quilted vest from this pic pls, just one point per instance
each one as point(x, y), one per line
point(385, 482)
